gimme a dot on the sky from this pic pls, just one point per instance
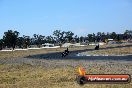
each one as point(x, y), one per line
point(79, 16)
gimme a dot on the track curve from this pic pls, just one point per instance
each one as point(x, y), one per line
point(73, 55)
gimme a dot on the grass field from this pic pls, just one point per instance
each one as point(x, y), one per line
point(27, 76)
point(38, 76)
point(15, 54)
point(114, 51)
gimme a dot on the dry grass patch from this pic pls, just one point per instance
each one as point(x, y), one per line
point(20, 76)
point(15, 54)
point(114, 51)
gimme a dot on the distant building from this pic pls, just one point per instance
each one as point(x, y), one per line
point(102, 43)
point(94, 44)
point(110, 39)
point(48, 45)
point(70, 44)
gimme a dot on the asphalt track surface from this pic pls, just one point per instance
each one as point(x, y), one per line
point(73, 55)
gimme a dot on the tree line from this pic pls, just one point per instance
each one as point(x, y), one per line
point(11, 39)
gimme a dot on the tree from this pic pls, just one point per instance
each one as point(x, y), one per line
point(108, 35)
point(91, 37)
point(98, 37)
point(26, 41)
point(76, 39)
point(20, 42)
point(81, 39)
point(69, 36)
point(1, 44)
point(59, 36)
point(113, 35)
point(50, 39)
point(128, 34)
point(10, 38)
point(103, 37)
point(38, 39)
point(120, 37)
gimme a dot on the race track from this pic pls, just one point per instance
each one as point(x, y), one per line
point(73, 55)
